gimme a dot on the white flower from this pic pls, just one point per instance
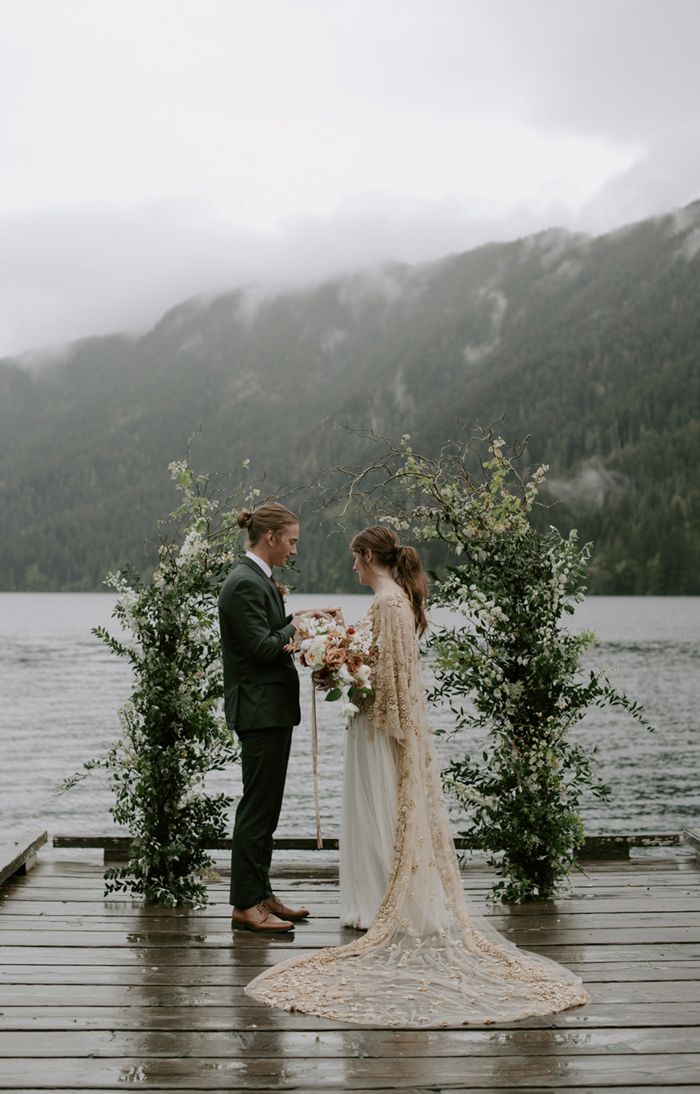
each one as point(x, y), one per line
point(192, 546)
point(128, 602)
point(347, 709)
point(314, 652)
point(311, 626)
point(364, 675)
point(344, 675)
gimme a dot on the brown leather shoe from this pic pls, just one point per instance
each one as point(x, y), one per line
point(278, 908)
point(258, 918)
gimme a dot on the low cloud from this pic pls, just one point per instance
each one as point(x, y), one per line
point(591, 486)
point(70, 274)
point(665, 177)
point(67, 275)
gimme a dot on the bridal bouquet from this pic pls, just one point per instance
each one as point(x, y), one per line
point(339, 658)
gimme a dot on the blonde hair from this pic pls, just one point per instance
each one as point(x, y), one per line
point(404, 562)
point(268, 517)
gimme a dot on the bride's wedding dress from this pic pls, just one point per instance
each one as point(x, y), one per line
point(425, 959)
point(368, 821)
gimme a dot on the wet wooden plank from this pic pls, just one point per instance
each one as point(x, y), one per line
point(231, 1018)
point(586, 911)
point(186, 974)
point(659, 898)
point(115, 916)
point(327, 907)
point(265, 952)
point(615, 843)
point(154, 993)
point(585, 895)
point(677, 1088)
point(680, 926)
point(346, 1043)
point(603, 873)
point(37, 901)
point(227, 939)
point(19, 855)
point(243, 1072)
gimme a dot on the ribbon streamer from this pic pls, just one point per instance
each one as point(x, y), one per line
point(314, 766)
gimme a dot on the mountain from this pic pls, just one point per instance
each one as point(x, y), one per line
point(590, 346)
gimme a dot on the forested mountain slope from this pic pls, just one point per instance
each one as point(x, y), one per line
point(589, 345)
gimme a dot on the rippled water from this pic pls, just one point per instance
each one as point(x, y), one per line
point(60, 689)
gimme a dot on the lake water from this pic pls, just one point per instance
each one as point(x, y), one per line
point(60, 690)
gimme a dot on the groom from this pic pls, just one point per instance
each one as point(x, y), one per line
point(261, 700)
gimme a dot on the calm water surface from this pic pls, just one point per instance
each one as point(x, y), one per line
point(60, 690)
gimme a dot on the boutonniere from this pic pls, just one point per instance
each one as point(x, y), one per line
point(282, 589)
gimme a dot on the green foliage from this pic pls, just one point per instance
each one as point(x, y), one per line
point(173, 733)
point(511, 667)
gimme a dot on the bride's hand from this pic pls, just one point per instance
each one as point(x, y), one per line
point(334, 613)
point(310, 613)
point(322, 613)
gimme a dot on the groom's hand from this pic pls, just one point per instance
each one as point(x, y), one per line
point(319, 613)
point(298, 617)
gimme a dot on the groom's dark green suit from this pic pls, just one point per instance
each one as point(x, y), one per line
point(261, 699)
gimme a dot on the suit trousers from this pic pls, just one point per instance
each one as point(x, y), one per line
point(264, 759)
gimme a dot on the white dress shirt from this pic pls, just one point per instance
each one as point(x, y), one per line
point(259, 562)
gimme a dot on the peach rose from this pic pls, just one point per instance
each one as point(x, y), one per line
point(354, 662)
point(335, 657)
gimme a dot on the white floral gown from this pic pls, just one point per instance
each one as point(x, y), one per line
point(425, 960)
point(368, 821)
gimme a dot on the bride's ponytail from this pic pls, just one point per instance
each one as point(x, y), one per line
point(404, 562)
point(413, 580)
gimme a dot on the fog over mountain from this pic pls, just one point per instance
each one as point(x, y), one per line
point(589, 345)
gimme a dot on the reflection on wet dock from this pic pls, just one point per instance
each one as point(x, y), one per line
point(102, 994)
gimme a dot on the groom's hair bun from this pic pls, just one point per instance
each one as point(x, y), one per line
point(271, 516)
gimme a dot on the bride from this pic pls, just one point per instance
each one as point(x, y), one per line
point(424, 960)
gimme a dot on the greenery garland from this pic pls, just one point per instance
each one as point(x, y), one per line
point(172, 729)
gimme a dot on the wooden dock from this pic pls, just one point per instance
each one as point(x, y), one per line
point(110, 995)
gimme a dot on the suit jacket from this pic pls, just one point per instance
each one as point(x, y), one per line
point(261, 685)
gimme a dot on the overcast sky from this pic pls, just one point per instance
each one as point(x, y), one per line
point(156, 149)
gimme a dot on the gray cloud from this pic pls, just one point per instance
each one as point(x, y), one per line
point(623, 69)
point(666, 176)
point(68, 275)
point(352, 135)
point(590, 486)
